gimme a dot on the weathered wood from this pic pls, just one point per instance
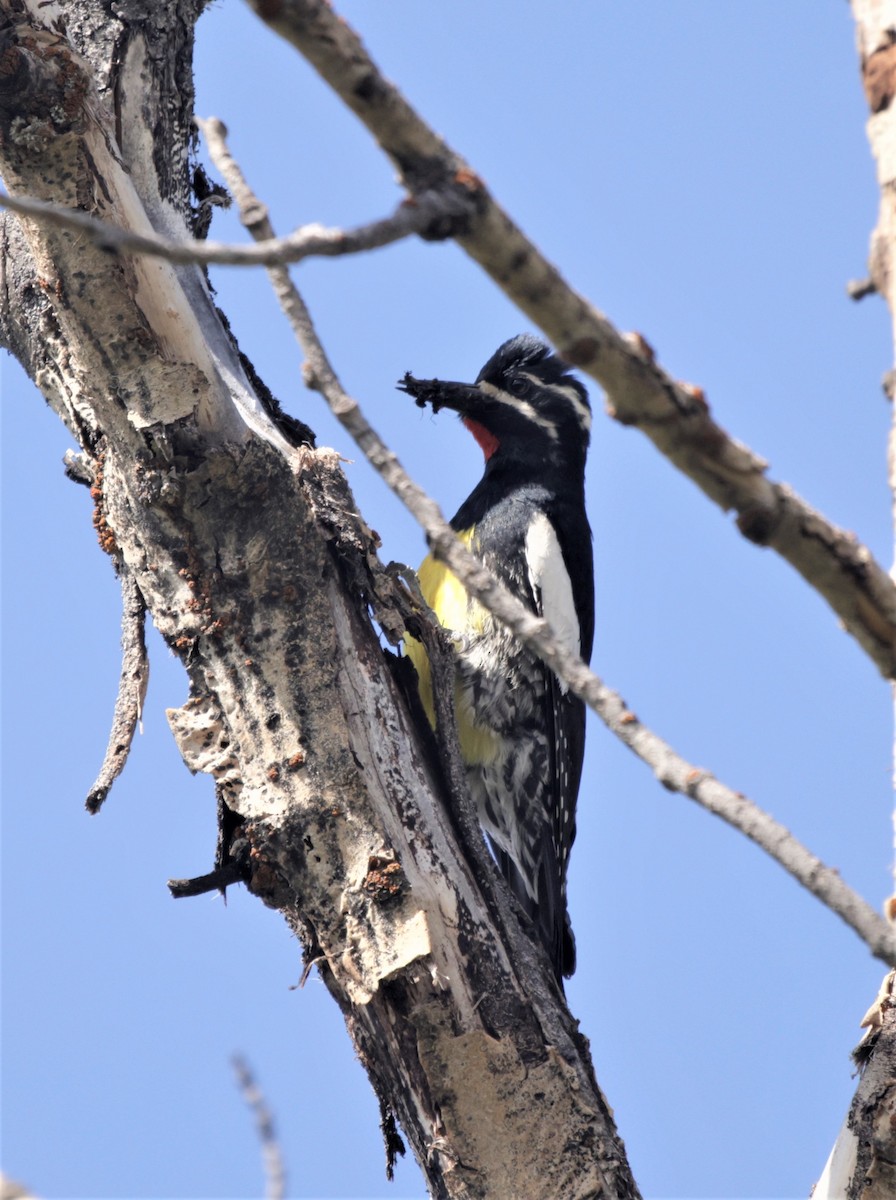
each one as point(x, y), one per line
point(258, 572)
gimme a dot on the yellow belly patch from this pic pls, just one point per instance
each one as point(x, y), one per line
point(458, 612)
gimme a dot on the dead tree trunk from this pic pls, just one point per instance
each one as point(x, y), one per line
point(246, 548)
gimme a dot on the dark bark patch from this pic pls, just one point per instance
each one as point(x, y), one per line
point(879, 75)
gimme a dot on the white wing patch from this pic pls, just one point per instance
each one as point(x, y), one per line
point(550, 580)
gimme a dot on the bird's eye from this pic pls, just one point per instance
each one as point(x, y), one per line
point(517, 386)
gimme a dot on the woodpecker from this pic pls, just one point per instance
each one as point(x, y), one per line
point(522, 733)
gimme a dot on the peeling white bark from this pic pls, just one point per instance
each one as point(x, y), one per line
point(839, 1169)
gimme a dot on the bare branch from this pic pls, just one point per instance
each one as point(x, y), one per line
point(433, 214)
point(131, 689)
point(275, 1174)
point(215, 881)
point(858, 289)
point(678, 775)
point(673, 415)
point(673, 771)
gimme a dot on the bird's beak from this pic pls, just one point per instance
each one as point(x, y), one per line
point(463, 398)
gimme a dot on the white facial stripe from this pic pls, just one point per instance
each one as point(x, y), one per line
point(550, 581)
point(521, 406)
point(571, 395)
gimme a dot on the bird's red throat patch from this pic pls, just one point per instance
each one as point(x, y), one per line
point(487, 441)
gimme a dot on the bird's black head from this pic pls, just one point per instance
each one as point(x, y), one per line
point(525, 406)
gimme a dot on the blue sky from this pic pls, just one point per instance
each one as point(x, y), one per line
point(700, 171)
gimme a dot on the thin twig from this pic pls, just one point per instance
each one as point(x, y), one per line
point(858, 289)
point(674, 772)
point(275, 1175)
point(215, 881)
point(441, 211)
point(674, 415)
point(131, 689)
